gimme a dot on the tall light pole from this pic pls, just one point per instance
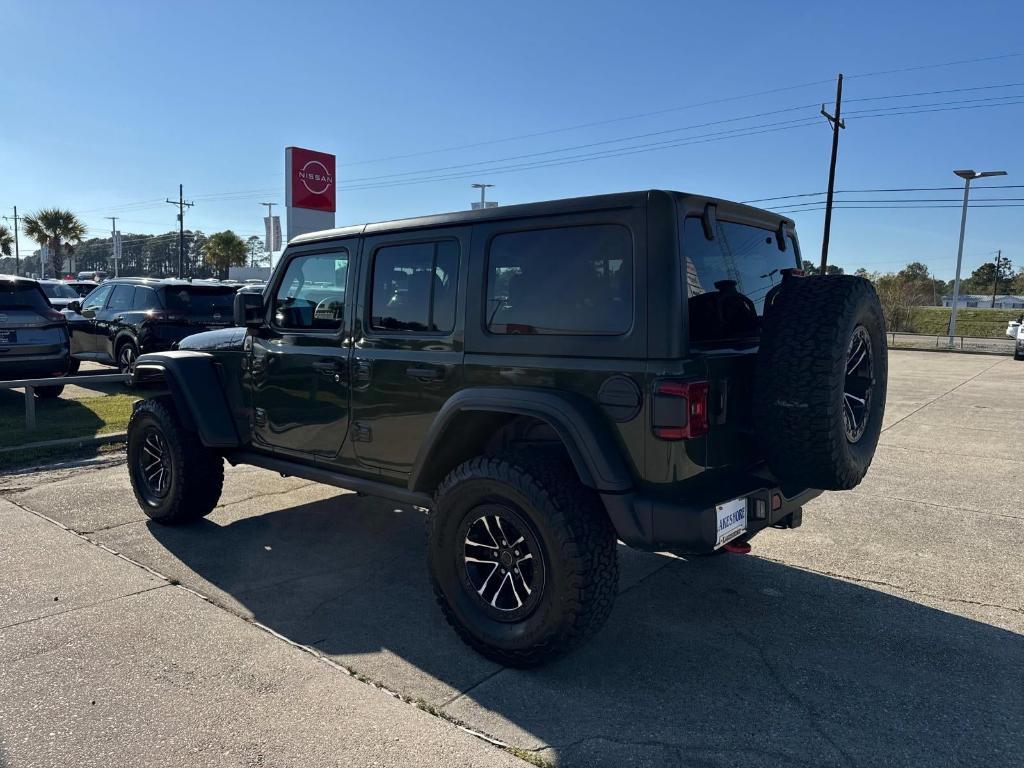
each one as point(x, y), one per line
point(483, 192)
point(968, 176)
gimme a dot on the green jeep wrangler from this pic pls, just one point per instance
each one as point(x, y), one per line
point(544, 380)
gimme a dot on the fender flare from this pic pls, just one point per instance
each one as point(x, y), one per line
point(587, 438)
point(195, 386)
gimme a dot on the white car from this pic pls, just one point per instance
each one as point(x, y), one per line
point(1015, 330)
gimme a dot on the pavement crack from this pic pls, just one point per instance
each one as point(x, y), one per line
point(939, 397)
point(84, 607)
point(897, 587)
point(266, 495)
point(474, 686)
point(950, 507)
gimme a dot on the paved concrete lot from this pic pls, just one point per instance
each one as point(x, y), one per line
point(885, 631)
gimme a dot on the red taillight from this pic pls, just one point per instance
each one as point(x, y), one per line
point(680, 409)
point(53, 314)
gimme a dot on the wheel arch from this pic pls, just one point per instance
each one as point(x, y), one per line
point(197, 391)
point(469, 419)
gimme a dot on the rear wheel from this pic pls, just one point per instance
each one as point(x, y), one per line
point(73, 366)
point(127, 352)
point(522, 558)
point(49, 393)
point(175, 478)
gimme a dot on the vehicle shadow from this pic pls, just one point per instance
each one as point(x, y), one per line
point(722, 661)
point(56, 418)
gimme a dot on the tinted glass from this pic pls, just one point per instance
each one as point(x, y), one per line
point(194, 300)
point(312, 294)
point(414, 287)
point(747, 255)
point(568, 281)
point(122, 298)
point(58, 291)
point(21, 295)
point(97, 298)
point(145, 298)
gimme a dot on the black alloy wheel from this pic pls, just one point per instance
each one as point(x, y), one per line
point(858, 385)
point(502, 562)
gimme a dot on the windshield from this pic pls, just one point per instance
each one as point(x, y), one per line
point(21, 295)
point(200, 301)
point(58, 291)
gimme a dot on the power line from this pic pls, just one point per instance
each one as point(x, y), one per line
point(889, 189)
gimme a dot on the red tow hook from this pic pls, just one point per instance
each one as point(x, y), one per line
point(737, 547)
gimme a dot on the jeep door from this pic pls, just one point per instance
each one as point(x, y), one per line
point(407, 356)
point(111, 319)
point(298, 360)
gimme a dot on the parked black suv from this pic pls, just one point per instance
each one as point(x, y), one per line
point(128, 316)
point(545, 379)
point(33, 335)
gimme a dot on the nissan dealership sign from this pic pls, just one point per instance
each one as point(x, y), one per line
point(311, 193)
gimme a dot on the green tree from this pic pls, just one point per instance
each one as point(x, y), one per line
point(7, 264)
point(57, 229)
point(257, 254)
point(810, 268)
point(224, 249)
point(984, 278)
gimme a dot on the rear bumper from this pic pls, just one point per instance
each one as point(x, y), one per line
point(647, 523)
point(35, 366)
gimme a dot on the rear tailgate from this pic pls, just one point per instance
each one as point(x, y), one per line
point(25, 333)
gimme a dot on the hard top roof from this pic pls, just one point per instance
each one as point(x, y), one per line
point(544, 208)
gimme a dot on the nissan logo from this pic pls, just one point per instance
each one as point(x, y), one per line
point(315, 177)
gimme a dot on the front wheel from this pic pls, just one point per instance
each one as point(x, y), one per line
point(176, 479)
point(522, 558)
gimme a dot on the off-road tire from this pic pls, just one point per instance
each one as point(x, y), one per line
point(809, 325)
point(196, 473)
point(578, 547)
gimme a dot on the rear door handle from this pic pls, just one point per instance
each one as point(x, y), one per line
point(424, 374)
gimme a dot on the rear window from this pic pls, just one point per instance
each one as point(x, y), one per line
point(573, 281)
point(748, 255)
point(200, 301)
point(58, 291)
point(22, 295)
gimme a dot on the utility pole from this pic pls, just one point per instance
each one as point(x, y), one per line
point(270, 233)
point(995, 280)
point(836, 123)
point(17, 255)
point(113, 240)
point(182, 205)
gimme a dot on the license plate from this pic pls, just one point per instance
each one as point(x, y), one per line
point(732, 520)
point(8, 337)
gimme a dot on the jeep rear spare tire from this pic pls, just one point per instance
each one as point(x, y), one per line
point(821, 380)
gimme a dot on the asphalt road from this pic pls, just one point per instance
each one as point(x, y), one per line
point(885, 631)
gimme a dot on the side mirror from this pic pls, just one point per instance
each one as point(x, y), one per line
point(75, 306)
point(248, 310)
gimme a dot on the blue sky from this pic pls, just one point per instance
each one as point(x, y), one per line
point(106, 107)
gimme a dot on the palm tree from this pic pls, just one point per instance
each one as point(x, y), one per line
point(224, 249)
point(58, 229)
point(6, 241)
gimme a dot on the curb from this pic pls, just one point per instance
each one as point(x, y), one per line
point(69, 442)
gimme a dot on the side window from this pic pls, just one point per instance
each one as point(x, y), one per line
point(312, 294)
point(565, 281)
point(414, 287)
point(97, 298)
point(122, 298)
point(145, 298)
